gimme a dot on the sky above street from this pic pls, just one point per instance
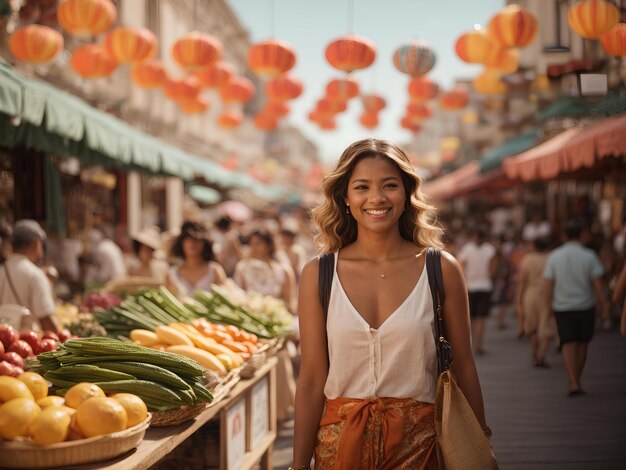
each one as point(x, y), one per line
point(309, 25)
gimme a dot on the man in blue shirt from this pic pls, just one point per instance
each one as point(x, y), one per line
point(574, 283)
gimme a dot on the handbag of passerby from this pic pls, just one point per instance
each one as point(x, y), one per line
point(368, 381)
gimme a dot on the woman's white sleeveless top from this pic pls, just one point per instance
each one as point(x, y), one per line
point(397, 360)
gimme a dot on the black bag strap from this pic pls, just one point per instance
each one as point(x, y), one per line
point(325, 279)
point(435, 280)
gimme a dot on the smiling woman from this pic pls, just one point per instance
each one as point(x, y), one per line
point(368, 401)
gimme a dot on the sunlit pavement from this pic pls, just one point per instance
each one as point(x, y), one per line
point(536, 426)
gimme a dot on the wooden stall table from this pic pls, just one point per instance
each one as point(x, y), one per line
point(247, 429)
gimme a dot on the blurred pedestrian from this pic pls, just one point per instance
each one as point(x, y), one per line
point(146, 244)
point(199, 270)
point(618, 295)
point(22, 281)
point(226, 244)
point(502, 282)
point(294, 253)
point(478, 260)
point(369, 402)
point(106, 259)
point(537, 227)
point(574, 286)
point(530, 301)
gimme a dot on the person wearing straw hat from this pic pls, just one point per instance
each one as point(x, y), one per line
point(147, 244)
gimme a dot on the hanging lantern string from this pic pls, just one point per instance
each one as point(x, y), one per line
point(272, 19)
point(350, 16)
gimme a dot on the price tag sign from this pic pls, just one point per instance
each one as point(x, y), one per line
point(236, 435)
point(260, 420)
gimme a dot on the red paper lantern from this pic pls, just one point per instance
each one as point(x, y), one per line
point(182, 90)
point(472, 47)
point(317, 116)
point(284, 88)
point(502, 59)
point(265, 122)
point(130, 44)
point(410, 124)
point(327, 124)
point(415, 59)
point(342, 90)
point(454, 99)
point(350, 53)
point(326, 106)
point(215, 76)
point(592, 18)
point(374, 102)
point(92, 61)
point(513, 26)
point(271, 58)
point(614, 42)
point(276, 108)
point(369, 120)
point(230, 119)
point(489, 83)
point(419, 111)
point(196, 105)
point(149, 74)
point(35, 44)
point(195, 50)
point(86, 17)
point(422, 89)
point(237, 90)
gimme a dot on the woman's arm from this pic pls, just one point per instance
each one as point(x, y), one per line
point(313, 368)
point(457, 323)
point(220, 274)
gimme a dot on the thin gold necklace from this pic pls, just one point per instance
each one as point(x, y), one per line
point(382, 274)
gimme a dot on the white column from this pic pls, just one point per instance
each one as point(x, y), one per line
point(134, 202)
point(174, 195)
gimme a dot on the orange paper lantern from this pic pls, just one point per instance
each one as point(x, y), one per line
point(415, 59)
point(276, 108)
point(86, 17)
point(614, 42)
point(592, 18)
point(284, 88)
point(317, 116)
point(326, 106)
point(196, 105)
point(410, 124)
point(271, 58)
point(238, 90)
point(472, 47)
point(489, 83)
point(230, 119)
point(92, 61)
point(149, 74)
point(350, 53)
point(127, 45)
point(419, 110)
point(342, 90)
point(454, 99)
point(265, 122)
point(513, 26)
point(327, 124)
point(195, 50)
point(502, 59)
point(422, 89)
point(215, 76)
point(35, 44)
point(182, 90)
point(374, 102)
point(369, 120)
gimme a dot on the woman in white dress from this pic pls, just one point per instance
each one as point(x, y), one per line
point(199, 269)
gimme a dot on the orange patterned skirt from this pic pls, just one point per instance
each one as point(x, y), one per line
point(377, 434)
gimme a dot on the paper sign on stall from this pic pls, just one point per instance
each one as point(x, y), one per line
point(236, 432)
point(260, 412)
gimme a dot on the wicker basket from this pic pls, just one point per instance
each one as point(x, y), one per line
point(222, 390)
point(25, 454)
point(176, 415)
point(253, 364)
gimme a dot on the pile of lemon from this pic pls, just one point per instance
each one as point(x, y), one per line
point(26, 410)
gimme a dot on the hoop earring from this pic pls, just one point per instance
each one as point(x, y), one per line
point(347, 209)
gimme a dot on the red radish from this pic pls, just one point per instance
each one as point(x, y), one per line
point(48, 345)
point(6, 368)
point(14, 358)
point(64, 335)
point(7, 335)
point(31, 337)
point(16, 372)
point(1, 349)
point(51, 335)
point(22, 348)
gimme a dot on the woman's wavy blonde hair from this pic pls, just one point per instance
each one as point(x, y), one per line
point(337, 229)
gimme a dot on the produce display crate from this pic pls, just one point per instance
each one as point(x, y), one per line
point(24, 454)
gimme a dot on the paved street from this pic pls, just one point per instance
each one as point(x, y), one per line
point(535, 425)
